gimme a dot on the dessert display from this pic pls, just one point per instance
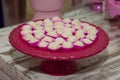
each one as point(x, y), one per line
point(59, 33)
point(49, 39)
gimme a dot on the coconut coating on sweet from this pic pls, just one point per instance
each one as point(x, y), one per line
point(67, 20)
point(33, 40)
point(56, 18)
point(78, 43)
point(53, 46)
point(59, 40)
point(23, 32)
point(52, 34)
point(47, 39)
point(67, 45)
point(43, 44)
point(39, 23)
point(87, 41)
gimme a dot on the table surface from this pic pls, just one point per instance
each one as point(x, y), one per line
point(104, 66)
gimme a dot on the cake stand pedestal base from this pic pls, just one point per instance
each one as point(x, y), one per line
point(58, 68)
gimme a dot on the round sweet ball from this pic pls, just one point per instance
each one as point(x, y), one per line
point(72, 39)
point(67, 20)
point(32, 23)
point(43, 44)
point(39, 23)
point(52, 34)
point(59, 24)
point(48, 28)
point(93, 31)
point(38, 27)
point(66, 34)
point(33, 40)
point(23, 32)
point(59, 40)
point(77, 27)
point(47, 39)
point(80, 34)
point(91, 37)
point(38, 31)
point(48, 22)
point(76, 22)
point(39, 35)
point(69, 30)
point(54, 46)
point(59, 31)
point(56, 18)
point(87, 41)
point(68, 25)
point(26, 27)
point(67, 45)
point(78, 43)
point(27, 37)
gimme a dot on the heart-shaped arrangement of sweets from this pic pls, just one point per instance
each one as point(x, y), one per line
point(58, 33)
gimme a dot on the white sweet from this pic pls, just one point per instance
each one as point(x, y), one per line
point(48, 28)
point(26, 27)
point(77, 27)
point(38, 35)
point(67, 45)
point(79, 31)
point(59, 27)
point(68, 25)
point(72, 39)
point(52, 34)
point(43, 44)
point(31, 23)
point(39, 23)
point(91, 37)
point(66, 20)
point(80, 34)
point(87, 41)
point(38, 31)
point(86, 28)
point(47, 39)
point(27, 37)
point(48, 22)
point(58, 24)
point(23, 32)
point(69, 30)
point(67, 34)
point(78, 43)
point(38, 27)
point(56, 18)
point(32, 40)
point(76, 22)
point(92, 31)
point(59, 40)
point(59, 31)
point(93, 28)
point(54, 46)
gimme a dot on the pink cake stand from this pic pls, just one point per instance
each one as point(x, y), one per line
point(58, 63)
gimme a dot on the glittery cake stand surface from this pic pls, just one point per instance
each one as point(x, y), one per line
point(58, 63)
